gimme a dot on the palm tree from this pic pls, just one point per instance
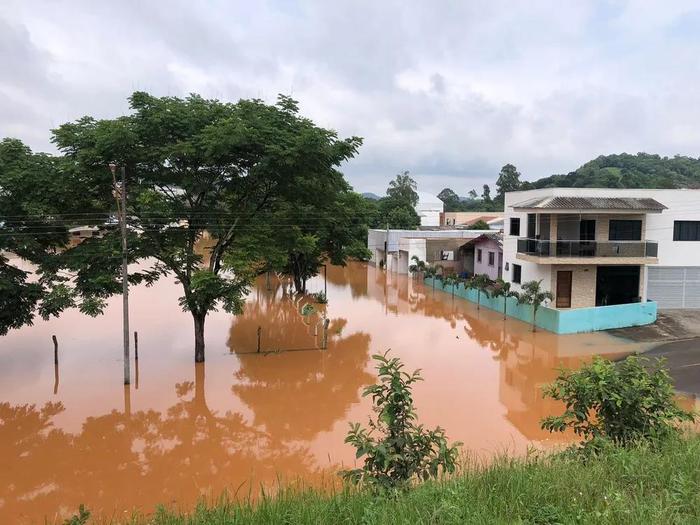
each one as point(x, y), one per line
point(502, 289)
point(451, 280)
point(418, 266)
point(481, 282)
point(534, 295)
point(431, 272)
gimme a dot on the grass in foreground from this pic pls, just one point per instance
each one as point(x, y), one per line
point(623, 486)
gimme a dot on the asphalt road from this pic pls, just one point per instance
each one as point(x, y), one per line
point(683, 361)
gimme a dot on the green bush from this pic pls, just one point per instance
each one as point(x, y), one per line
point(397, 450)
point(319, 298)
point(627, 402)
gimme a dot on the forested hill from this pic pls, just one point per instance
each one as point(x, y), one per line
point(628, 171)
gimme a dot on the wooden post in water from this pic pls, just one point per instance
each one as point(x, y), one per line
point(259, 332)
point(55, 349)
point(324, 341)
point(136, 345)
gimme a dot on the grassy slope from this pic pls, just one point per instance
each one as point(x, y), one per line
point(636, 486)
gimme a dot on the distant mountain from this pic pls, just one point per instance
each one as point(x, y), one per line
point(372, 196)
point(642, 170)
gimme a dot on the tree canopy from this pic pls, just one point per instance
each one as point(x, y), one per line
point(398, 209)
point(508, 180)
point(215, 190)
point(642, 170)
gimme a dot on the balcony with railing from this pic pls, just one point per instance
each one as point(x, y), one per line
point(582, 251)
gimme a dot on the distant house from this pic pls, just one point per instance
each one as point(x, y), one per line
point(496, 224)
point(486, 255)
point(85, 232)
point(465, 219)
point(395, 249)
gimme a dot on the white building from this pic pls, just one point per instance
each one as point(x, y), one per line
point(600, 246)
point(429, 208)
point(395, 248)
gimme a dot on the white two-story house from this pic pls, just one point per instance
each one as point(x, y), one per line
point(598, 246)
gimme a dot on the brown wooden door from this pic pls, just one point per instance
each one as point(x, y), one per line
point(564, 289)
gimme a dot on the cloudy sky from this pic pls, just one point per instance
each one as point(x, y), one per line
point(450, 91)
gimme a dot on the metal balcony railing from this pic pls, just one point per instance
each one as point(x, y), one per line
point(580, 248)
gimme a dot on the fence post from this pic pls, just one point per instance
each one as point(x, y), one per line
point(324, 341)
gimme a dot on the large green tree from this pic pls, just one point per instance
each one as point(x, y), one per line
point(508, 180)
point(40, 199)
point(450, 199)
point(398, 209)
point(198, 172)
point(403, 189)
point(325, 221)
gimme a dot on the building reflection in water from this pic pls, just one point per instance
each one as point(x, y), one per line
point(245, 418)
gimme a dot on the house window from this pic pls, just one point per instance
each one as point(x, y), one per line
point(492, 258)
point(478, 255)
point(686, 230)
point(517, 273)
point(515, 226)
point(625, 230)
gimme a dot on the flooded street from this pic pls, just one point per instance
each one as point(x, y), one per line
point(75, 435)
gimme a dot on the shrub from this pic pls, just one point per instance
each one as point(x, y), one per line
point(533, 294)
point(396, 448)
point(319, 298)
point(626, 402)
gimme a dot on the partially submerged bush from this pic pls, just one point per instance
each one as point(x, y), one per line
point(626, 402)
point(401, 450)
point(319, 298)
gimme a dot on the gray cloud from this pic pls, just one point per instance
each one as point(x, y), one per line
point(448, 90)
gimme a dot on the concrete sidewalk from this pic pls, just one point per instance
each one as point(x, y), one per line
point(683, 362)
point(676, 337)
point(670, 325)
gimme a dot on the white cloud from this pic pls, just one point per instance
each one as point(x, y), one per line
point(448, 90)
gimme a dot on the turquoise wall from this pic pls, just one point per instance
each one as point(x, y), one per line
point(572, 321)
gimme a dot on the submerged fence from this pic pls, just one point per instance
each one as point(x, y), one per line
point(575, 320)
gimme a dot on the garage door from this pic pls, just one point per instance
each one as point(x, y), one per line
point(674, 287)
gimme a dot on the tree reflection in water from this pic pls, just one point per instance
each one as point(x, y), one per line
point(120, 461)
point(295, 395)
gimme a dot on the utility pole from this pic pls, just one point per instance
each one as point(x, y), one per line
point(325, 282)
point(121, 209)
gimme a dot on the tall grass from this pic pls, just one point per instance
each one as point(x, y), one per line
point(639, 485)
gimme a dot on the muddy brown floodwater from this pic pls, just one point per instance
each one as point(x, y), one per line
point(75, 435)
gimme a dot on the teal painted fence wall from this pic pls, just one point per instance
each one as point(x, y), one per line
point(573, 321)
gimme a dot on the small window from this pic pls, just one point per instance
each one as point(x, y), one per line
point(492, 258)
point(686, 230)
point(517, 273)
point(515, 226)
point(625, 230)
point(478, 255)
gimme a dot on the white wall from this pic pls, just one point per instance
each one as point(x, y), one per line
point(429, 208)
point(412, 247)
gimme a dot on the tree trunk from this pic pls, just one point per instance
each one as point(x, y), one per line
point(478, 300)
point(534, 319)
point(298, 283)
point(198, 337)
point(505, 308)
